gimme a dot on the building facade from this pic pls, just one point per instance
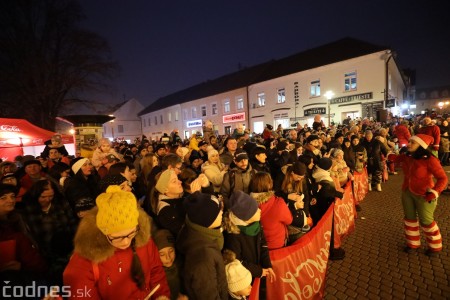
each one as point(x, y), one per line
point(344, 78)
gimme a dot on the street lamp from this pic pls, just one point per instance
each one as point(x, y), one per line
point(329, 95)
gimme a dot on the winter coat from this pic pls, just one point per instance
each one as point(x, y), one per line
point(241, 182)
point(204, 271)
point(214, 173)
point(275, 216)
point(325, 195)
point(419, 174)
point(114, 265)
point(445, 135)
point(252, 251)
point(99, 155)
point(337, 170)
point(374, 149)
point(170, 214)
point(79, 187)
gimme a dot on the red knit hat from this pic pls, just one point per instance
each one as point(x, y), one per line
point(423, 140)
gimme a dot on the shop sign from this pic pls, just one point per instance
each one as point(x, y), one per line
point(234, 118)
point(194, 123)
point(390, 103)
point(315, 111)
point(365, 96)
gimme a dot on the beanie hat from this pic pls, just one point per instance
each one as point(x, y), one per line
point(238, 277)
point(242, 205)
point(163, 239)
point(311, 138)
point(202, 143)
point(240, 154)
point(258, 150)
point(338, 135)
point(211, 152)
point(194, 156)
point(117, 210)
point(423, 140)
point(325, 163)
point(110, 179)
point(281, 146)
point(270, 127)
point(8, 175)
point(202, 209)
point(299, 168)
point(31, 162)
point(335, 152)
point(7, 188)
point(77, 163)
point(160, 146)
point(163, 181)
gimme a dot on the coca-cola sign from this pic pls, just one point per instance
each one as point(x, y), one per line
point(9, 128)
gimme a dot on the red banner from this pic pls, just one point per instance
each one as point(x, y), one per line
point(301, 268)
point(344, 215)
point(360, 186)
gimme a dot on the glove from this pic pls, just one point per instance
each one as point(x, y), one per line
point(436, 147)
point(429, 196)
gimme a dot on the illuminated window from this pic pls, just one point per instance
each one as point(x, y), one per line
point(226, 106)
point(240, 103)
point(194, 112)
point(169, 117)
point(261, 99)
point(315, 88)
point(161, 118)
point(120, 128)
point(176, 115)
point(350, 81)
point(149, 121)
point(145, 122)
point(281, 95)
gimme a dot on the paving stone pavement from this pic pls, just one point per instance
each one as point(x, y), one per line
point(375, 266)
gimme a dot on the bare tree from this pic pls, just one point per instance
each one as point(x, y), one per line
point(46, 59)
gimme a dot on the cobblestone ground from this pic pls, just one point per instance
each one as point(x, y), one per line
point(375, 266)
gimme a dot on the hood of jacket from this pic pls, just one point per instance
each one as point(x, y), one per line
point(262, 197)
point(93, 245)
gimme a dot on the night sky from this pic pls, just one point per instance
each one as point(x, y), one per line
point(166, 46)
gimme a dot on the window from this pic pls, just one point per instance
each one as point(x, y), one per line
point(194, 112)
point(350, 81)
point(240, 103)
point(214, 108)
point(120, 128)
point(149, 121)
point(176, 115)
point(226, 106)
point(185, 114)
point(145, 122)
point(281, 95)
point(156, 120)
point(203, 109)
point(161, 119)
point(315, 88)
point(261, 99)
point(169, 117)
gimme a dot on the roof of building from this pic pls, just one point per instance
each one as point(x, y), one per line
point(340, 50)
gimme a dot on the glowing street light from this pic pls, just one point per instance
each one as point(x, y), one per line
point(329, 95)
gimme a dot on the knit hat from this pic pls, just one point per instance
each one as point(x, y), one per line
point(31, 162)
point(325, 163)
point(423, 140)
point(299, 168)
point(163, 181)
point(193, 156)
point(6, 189)
point(77, 163)
point(335, 152)
point(163, 239)
point(111, 158)
point(117, 210)
point(270, 127)
point(258, 150)
point(242, 205)
point(202, 209)
point(238, 277)
point(202, 143)
point(110, 179)
point(311, 138)
point(7, 175)
point(240, 155)
point(338, 135)
point(160, 146)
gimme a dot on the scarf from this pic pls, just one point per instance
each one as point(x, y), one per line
point(212, 234)
point(251, 230)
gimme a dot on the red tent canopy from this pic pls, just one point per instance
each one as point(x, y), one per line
point(21, 133)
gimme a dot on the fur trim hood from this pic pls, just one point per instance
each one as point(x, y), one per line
point(262, 197)
point(92, 244)
point(321, 175)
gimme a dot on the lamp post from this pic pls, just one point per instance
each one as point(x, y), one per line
point(329, 95)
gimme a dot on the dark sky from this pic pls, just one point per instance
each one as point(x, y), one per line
point(166, 46)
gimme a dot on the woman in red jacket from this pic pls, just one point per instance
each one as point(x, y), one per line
point(275, 214)
point(114, 257)
point(424, 180)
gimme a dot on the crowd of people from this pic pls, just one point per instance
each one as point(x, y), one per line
point(195, 219)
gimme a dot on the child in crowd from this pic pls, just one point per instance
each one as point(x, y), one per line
point(238, 277)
